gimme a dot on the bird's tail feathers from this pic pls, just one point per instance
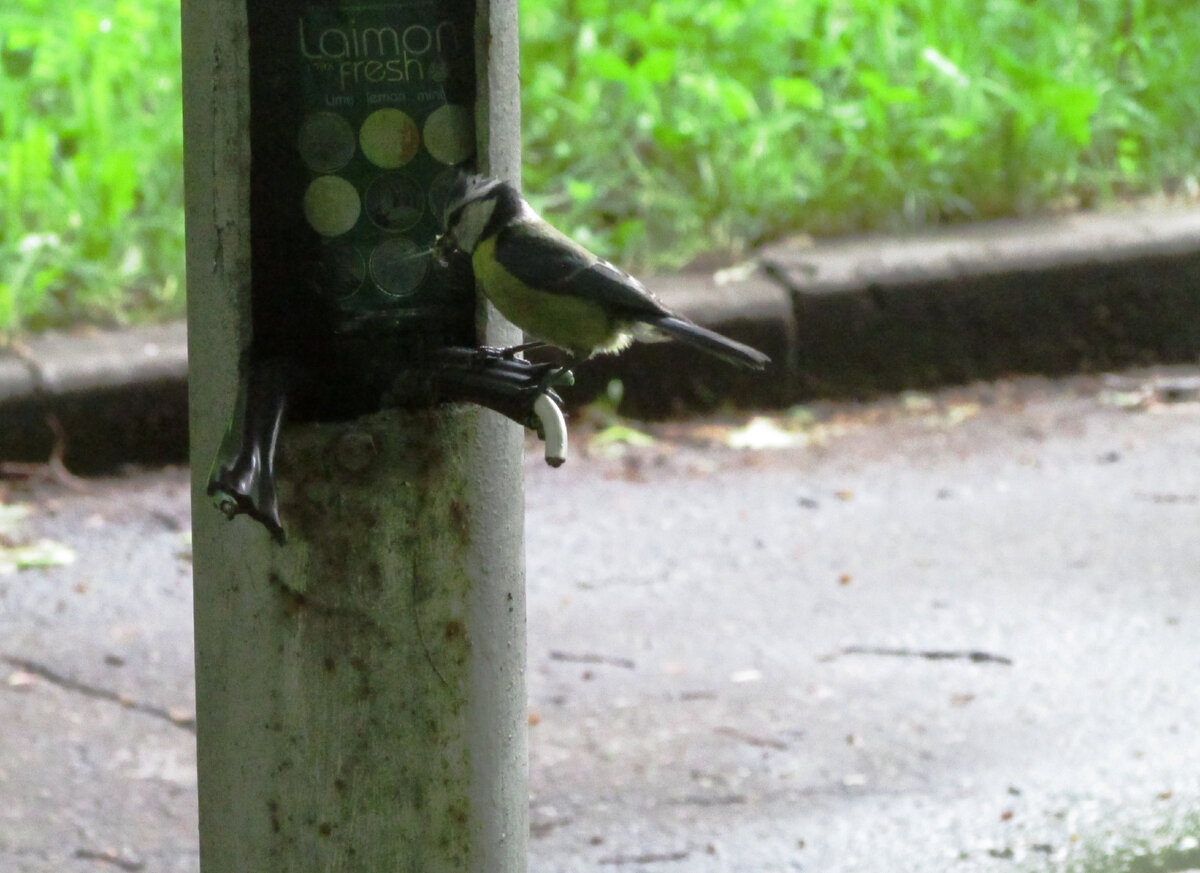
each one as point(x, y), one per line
point(711, 342)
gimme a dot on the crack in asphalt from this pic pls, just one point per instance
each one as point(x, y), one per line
point(67, 683)
point(974, 656)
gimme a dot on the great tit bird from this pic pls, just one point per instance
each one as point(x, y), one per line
point(556, 290)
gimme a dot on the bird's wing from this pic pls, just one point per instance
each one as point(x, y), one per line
point(558, 264)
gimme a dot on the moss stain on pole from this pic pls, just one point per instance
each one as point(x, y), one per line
point(374, 675)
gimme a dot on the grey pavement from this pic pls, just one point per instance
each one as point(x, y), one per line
point(940, 632)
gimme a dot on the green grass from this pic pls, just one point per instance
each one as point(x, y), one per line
point(725, 123)
point(656, 135)
point(91, 149)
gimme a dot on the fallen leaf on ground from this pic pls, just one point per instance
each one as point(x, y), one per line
point(764, 433)
point(21, 681)
point(11, 515)
point(16, 554)
point(43, 553)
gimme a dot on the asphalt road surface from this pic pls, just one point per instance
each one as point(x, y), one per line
point(950, 632)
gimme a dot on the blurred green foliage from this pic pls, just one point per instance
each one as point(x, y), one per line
point(657, 133)
point(653, 132)
point(91, 150)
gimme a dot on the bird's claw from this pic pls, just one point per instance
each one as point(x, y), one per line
point(508, 353)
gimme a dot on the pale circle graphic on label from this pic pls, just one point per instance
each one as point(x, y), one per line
point(398, 266)
point(394, 202)
point(389, 138)
point(331, 205)
point(450, 134)
point(326, 142)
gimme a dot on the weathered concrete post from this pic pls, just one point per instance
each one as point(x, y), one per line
point(360, 690)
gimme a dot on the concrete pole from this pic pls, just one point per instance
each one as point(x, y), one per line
point(360, 691)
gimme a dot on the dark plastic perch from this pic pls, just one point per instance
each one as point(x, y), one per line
point(495, 379)
point(243, 477)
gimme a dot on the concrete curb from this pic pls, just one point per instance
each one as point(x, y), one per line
point(118, 395)
point(1052, 296)
point(849, 318)
point(859, 317)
